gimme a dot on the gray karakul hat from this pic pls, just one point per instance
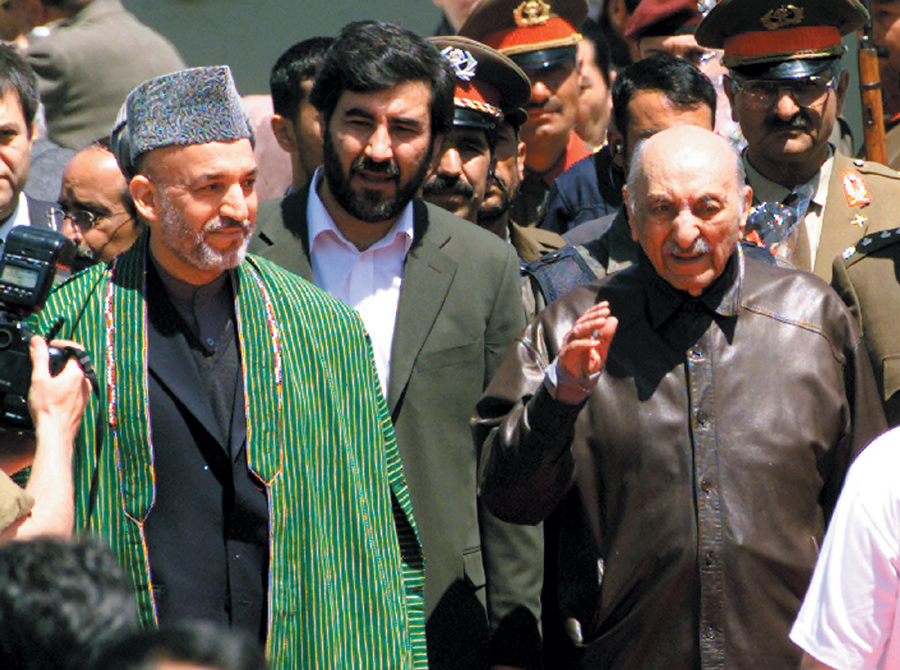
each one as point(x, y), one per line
point(193, 106)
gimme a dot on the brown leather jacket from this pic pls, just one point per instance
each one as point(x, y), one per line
point(707, 460)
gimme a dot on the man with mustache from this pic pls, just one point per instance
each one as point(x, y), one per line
point(541, 37)
point(240, 459)
point(95, 209)
point(704, 407)
point(483, 142)
point(440, 298)
point(787, 87)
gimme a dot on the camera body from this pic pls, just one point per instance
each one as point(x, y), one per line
point(27, 271)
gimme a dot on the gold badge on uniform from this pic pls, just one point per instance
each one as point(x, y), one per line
point(531, 13)
point(783, 17)
point(855, 190)
point(859, 221)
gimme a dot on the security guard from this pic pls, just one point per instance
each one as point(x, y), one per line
point(787, 87)
point(540, 36)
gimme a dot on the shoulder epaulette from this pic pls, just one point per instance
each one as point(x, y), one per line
point(873, 168)
point(870, 244)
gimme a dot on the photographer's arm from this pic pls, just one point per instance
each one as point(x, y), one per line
point(56, 405)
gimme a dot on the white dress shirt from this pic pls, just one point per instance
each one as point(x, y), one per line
point(19, 217)
point(369, 281)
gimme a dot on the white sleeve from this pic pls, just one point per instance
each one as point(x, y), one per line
point(847, 617)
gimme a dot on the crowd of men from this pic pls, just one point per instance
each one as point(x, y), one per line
point(564, 347)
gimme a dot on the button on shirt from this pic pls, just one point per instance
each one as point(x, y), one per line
point(369, 281)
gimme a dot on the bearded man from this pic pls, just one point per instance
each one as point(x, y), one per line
point(440, 298)
point(242, 443)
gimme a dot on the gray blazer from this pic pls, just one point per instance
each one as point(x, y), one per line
point(460, 310)
point(88, 65)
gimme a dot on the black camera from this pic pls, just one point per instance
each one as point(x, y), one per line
point(27, 271)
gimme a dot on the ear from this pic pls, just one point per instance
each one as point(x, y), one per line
point(143, 192)
point(747, 202)
point(631, 217)
point(728, 85)
point(616, 142)
point(520, 160)
point(843, 85)
point(284, 133)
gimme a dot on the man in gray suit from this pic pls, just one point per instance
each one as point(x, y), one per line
point(92, 57)
point(440, 299)
point(18, 108)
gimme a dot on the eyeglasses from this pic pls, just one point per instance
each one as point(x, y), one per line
point(805, 92)
point(80, 218)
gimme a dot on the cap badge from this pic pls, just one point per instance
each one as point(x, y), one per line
point(462, 62)
point(855, 190)
point(531, 13)
point(783, 17)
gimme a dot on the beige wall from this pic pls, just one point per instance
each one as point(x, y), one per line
point(249, 35)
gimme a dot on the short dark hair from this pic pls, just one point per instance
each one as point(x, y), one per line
point(198, 643)
point(592, 32)
point(371, 56)
point(61, 603)
point(680, 81)
point(295, 66)
point(17, 77)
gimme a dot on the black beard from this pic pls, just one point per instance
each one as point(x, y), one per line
point(370, 208)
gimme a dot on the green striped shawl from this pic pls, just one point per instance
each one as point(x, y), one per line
point(346, 575)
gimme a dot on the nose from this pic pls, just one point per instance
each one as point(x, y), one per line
point(540, 91)
point(785, 105)
point(450, 163)
point(379, 147)
point(69, 230)
point(236, 203)
point(685, 230)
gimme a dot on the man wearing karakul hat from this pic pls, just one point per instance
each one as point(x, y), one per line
point(241, 463)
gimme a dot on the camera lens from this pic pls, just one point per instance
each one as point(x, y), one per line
point(5, 338)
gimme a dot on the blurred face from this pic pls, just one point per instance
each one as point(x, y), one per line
point(886, 33)
point(553, 106)
point(508, 171)
point(649, 112)
point(458, 181)
point(15, 153)
point(594, 99)
point(784, 131)
point(378, 149)
point(92, 198)
point(201, 207)
point(688, 212)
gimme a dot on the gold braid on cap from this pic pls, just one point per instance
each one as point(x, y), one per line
point(478, 106)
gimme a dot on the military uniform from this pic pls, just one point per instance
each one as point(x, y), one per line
point(535, 34)
point(865, 276)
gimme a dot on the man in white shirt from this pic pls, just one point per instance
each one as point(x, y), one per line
point(440, 298)
point(848, 619)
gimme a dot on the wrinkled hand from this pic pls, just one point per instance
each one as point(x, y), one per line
point(584, 350)
point(56, 403)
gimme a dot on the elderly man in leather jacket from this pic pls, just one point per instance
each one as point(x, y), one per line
point(704, 405)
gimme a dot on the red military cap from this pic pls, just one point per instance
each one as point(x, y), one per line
point(654, 18)
point(533, 33)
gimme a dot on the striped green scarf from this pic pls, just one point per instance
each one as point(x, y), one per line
point(346, 574)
